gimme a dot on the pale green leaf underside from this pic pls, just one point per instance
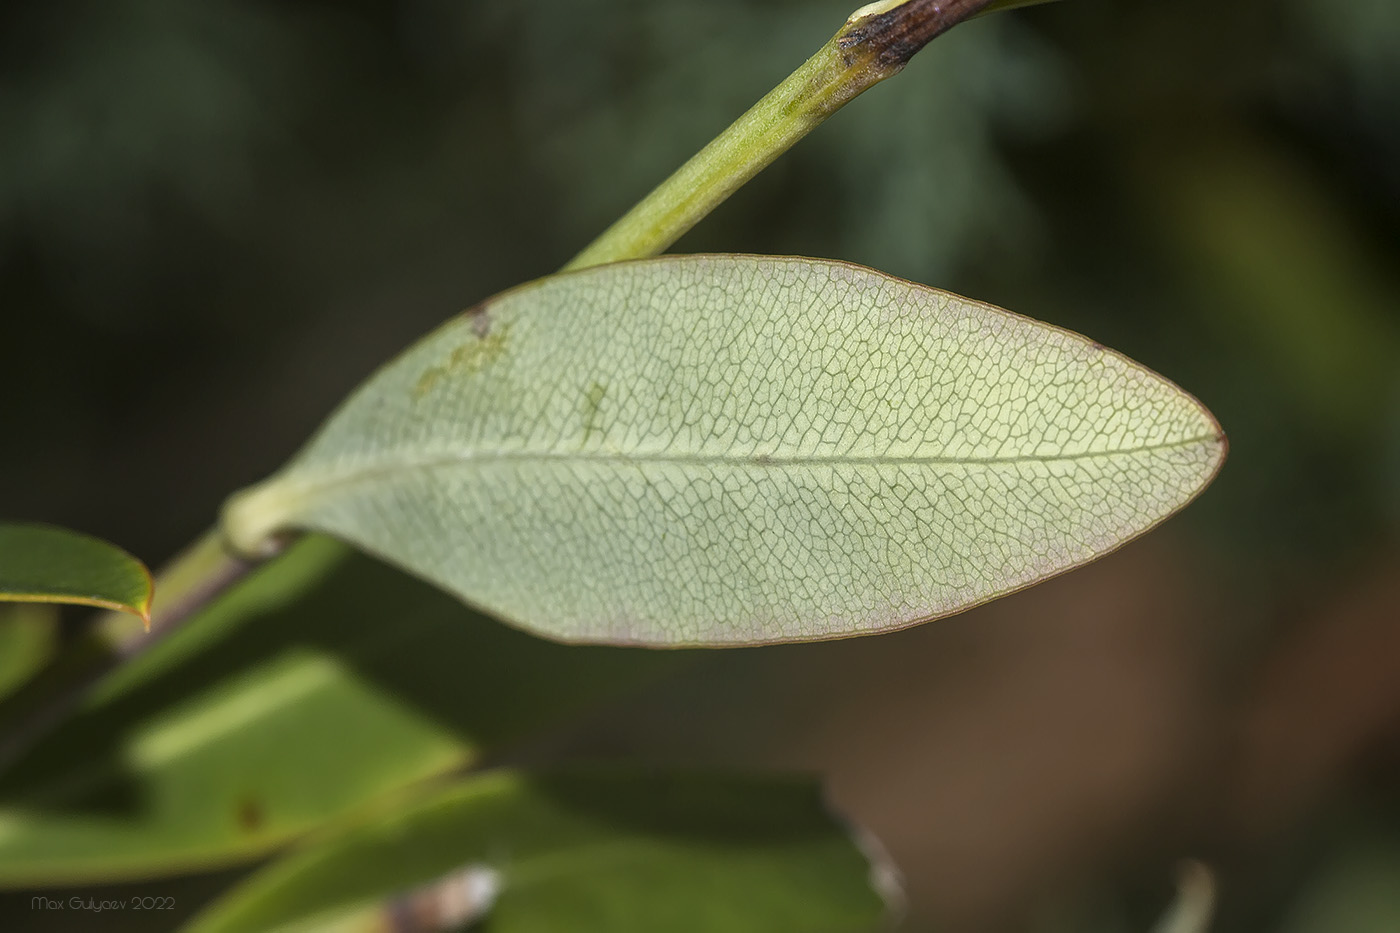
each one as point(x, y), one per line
point(735, 449)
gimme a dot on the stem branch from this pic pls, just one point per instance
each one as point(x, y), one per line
point(874, 44)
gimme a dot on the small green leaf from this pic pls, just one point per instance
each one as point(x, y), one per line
point(581, 853)
point(706, 450)
point(43, 564)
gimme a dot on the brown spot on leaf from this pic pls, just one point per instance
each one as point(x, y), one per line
point(250, 815)
point(486, 348)
point(481, 322)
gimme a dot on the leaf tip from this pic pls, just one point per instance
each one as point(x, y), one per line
point(142, 607)
point(886, 880)
point(47, 564)
point(1195, 902)
point(1223, 440)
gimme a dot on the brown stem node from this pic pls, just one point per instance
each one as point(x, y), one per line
point(886, 41)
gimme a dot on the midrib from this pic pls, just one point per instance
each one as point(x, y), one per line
point(371, 472)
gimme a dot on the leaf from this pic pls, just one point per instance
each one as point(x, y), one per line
point(710, 450)
point(1350, 881)
point(1194, 905)
point(44, 564)
point(322, 684)
point(28, 637)
point(582, 853)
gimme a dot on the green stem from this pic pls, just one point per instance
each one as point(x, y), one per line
point(188, 583)
point(874, 44)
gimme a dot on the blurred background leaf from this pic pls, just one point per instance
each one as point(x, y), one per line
point(271, 200)
point(321, 685)
point(611, 852)
point(28, 637)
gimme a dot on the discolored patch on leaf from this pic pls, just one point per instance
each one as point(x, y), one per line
point(427, 381)
point(250, 817)
point(481, 321)
point(483, 348)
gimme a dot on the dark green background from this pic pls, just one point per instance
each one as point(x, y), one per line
point(217, 217)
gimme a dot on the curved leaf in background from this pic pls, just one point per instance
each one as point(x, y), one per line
point(323, 683)
point(580, 852)
point(44, 564)
point(1194, 905)
point(709, 450)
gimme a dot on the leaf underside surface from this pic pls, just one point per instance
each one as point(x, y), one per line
point(44, 564)
point(718, 450)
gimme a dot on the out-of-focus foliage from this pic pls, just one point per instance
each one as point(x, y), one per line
point(592, 852)
point(1354, 886)
point(322, 684)
point(1360, 37)
point(27, 641)
point(266, 201)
